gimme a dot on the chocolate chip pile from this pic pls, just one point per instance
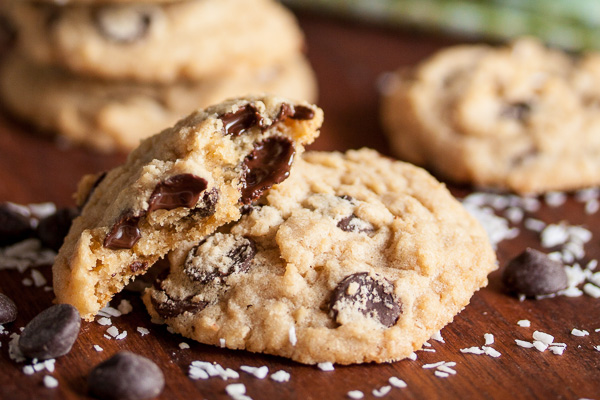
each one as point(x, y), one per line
point(108, 73)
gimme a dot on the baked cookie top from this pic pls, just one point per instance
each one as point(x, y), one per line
point(355, 258)
point(180, 184)
point(151, 42)
point(521, 117)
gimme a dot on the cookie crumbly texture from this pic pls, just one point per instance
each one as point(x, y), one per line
point(110, 116)
point(168, 42)
point(178, 185)
point(520, 117)
point(355, 258)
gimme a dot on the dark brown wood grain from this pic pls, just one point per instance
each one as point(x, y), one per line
point(348, 58)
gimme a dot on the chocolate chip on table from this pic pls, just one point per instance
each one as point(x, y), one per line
point(533, 273)
point(53, 229)
point(177, 191)
point(123, 25)
point(204, 264)
point(170, 308)
point(51, 333)
point(124, 234)
point(371, 297)
point(8, 309)
point(126, 376)
point(268, 164)
point(238, 122)
point(14, 226)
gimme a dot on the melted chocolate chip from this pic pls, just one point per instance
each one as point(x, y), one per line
point(294, 112)
point(137, 266)
point(238, 122)
point(533, 273)
point(208, 204)
point(519, 111)
point(51, 333)
point(8, 309)
point(268, 164)
point(53, 229)
point(14, 226)
point(204, 264)
point(121, 24)
point(126, 376)
point(172, 308)
point(371, 297)
point(354, 224)
point(124, 234)
point(177, 191)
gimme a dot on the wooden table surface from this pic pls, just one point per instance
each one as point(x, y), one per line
point(348, 58)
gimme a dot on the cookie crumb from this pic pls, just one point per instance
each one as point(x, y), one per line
point(292, 335)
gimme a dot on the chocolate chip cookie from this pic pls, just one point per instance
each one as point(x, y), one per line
point(109, 116)
point(520, 117)
point(150, 42)
point(354, 258)
point(177, 186)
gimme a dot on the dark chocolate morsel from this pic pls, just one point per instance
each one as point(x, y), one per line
point(519, 111)
point(177, 191)
point(533, 273)
point(53, 229)
point(371, 297)
point(14, 226)
point(117, 27)
point(137, 266)
point(126, 376)
point(352, 223)
point(8, 309)
point(172, 308)
point(201, 267)
point(268, 164)
point(208, 203)
point(294, 112)
point(238, 122)
point(51, 333)
point(124, 234)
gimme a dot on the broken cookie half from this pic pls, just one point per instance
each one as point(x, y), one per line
point(179, 185)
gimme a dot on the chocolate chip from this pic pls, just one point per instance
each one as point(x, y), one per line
point(352, 223)
point(171, 308)
point(53, 229)
point(51, 333)
point(123, 25)
point(124, 234)
point(8, 309)
point(126, 376)
point(141, 282)
point(268, 164)
point(533, 273)
point(238, 122)
point(137, 266)
point(294, 112)
point(519, 111)
point(14, 226)
point(177, 191)
point(362, 293)
point(219, 256)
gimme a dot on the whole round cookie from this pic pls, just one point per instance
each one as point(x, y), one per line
point(521, 117)
point(109, 116)
point(355, 258)
point(155, 43)
point(178, 185)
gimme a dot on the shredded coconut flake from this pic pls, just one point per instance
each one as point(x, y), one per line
point(98, 348)
point(397, 382)
point(292, 335)
point(472, 350)
point(355, 394)
point(491, 352)
point(113, 331)
point(184, 345)
point(326, 366)
point(441, 374)
point(104, 321)
point(258, 372)
point(541, 346)
point(489, 338)
point(382, 391)
point(50, 382)
point(222, 342)
point(543, 337)
point(434, 365)
point(592, 290)
point(280, 376)
point(577, 332)
point(121, 335)
point(142, 331)
point(523, 343)
point(412, 356)
point(525, 323)
point(109, 312)
point(235, 389)
point(597, 348)
point(38, 278)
